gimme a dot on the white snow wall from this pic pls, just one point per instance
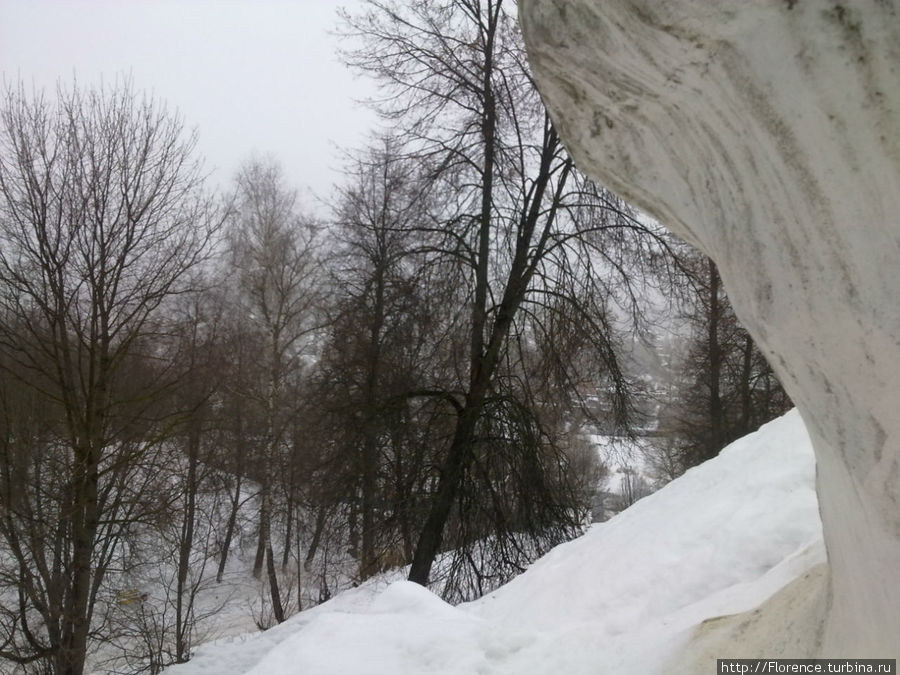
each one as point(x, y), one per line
point(767, 132)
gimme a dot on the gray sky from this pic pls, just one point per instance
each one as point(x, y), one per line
point(250, 75)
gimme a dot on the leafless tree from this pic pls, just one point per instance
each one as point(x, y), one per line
point(193, 475)
point(724, 386)
point(238, 416)
point(102, 222)
point(274, 251)
point(384, 339)
point(535, 249)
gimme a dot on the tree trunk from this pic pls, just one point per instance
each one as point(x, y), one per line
point(186, 545)
point(431, 536)
point(369, 461)
point(367, 561)
point(229, 528)
point(299, 572)
point(263, 533)
point(76, 621)
point(236, 500)
point(277, 609)
point(746, 388)
point(353, 525)
point(716, 421)
point(317, 537)
point(288, 532)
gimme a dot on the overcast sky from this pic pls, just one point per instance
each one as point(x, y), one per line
point(250, 75)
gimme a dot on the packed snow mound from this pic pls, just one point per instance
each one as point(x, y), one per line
point(624, 598)
point(720, 524)
point(768, 134)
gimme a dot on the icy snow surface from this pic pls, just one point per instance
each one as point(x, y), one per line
point(621, 599)
point(768, 134)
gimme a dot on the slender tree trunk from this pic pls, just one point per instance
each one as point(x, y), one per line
point(353, 525)
point(277, 608)
point(403, 503)
point(717, 423)
point(229, 528)
point(316, 538)
point(746, 389)
point(479, 306)
point(288, 531)
point(368, 563)
point(269, 450)
point(263, 533)
point(298, 558)
point(367, 559)
point(236, 499)
point(186, 545)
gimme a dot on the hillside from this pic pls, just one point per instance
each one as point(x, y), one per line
point(623, 598)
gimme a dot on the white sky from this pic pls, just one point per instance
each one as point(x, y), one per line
point(250, 75)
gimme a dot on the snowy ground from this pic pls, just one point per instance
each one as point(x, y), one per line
point(621, 599)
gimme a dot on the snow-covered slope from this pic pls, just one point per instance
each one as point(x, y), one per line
point(623, 598)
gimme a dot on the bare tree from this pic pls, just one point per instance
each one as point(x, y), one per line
point(274, 250)
point(193, 475)
point(383, 338)
point(102, 222)
point(237, 419)
point(725, 387)
point(533, 247)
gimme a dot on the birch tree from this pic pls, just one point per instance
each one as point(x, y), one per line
point(274, 250)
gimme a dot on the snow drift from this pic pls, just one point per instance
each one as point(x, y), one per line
point(624, 598)
point(768, 134)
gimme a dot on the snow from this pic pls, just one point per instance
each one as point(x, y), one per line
point(768, 134)
point(624, 598)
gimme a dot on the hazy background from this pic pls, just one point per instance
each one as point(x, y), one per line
point(250, 75)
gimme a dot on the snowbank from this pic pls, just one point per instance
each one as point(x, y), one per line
point(768, 134)
point(624, 598)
